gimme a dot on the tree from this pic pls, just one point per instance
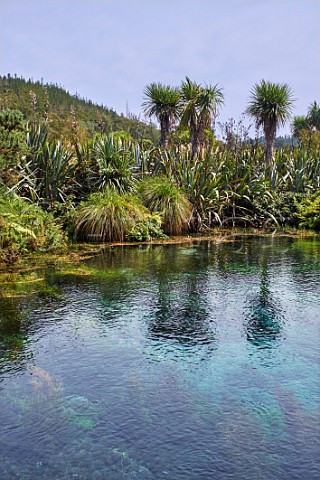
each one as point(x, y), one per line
point(13, 143)
point(189, 118)
point(163, 102)
point(270, 105)
point(314, 115)
point(299, 123)
point(209, 100)
point(200, 108)
point(307, 128)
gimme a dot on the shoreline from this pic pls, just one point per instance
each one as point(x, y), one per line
point(77, 252)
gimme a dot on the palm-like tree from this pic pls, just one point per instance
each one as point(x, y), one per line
point(304, 128)
point(200, 108)
point(189, 98)
point(209, 100)
point(270, 105)
point(162, 101)
point(314, 115)
point(299, 124)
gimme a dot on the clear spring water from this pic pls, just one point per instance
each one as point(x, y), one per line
point(178, 362)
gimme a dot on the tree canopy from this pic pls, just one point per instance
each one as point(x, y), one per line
point(270, 105)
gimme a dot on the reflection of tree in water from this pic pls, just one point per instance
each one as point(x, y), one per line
point(264, 318)
point(13, 336)
point(181, 313)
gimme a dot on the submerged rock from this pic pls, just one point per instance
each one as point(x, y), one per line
point(130, 468)
point(80, 412)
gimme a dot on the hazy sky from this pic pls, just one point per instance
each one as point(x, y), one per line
point(109, 50)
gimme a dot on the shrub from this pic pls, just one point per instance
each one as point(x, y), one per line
point(147, 228)
point(160, 194)
point(13, 145)
point(25, 227)
point(114, 164)
point(48, 175)
point(107, 216)
point(309, 213)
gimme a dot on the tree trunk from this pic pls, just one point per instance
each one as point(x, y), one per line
point(195, 146)
point(164, 139)
point(270, 135)
point(199, 139)
point(269, 151)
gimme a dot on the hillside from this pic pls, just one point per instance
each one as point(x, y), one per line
point(52, 103)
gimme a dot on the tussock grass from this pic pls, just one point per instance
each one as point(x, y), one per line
point(107, 216)
point(160, 194)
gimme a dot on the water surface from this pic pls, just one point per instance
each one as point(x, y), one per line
point(178, 362)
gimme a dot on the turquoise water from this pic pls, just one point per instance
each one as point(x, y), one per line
point(178, 362)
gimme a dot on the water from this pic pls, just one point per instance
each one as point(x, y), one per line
point(178, 362)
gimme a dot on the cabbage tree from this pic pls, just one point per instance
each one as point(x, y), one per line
point(199, 110)
point(209, 100)
point(162, 101)
point(270, 105)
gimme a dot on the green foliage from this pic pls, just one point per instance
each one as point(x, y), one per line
point(309, 213)
point(53, 105)
point(113, 163)
point(107, 216)
point(307, 128)
point(299, 124)
point(160, 194)
point(219, 186)
point(234, 185)
point(209, 101)
point(13, 145)
point(194, 182)
point(162, 101)
point(270, 105)
point(25, 227)
point(279, 209)
point(314, 115)
point(194, 105)
point(147, 229)
point(14, 341)
point(199, 111)
point(48, 173)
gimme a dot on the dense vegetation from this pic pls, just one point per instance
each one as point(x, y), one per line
point(68, 115)
point(64, 176)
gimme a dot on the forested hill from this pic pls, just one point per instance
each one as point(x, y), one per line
point(61, 110)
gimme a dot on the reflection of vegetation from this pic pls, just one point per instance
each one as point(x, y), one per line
point(181, 316)
point(19, 294)
point(263, 319)
point(160, 353)
point(13, 337)
point(177, 279)
point(22, 284)
point(13, 341)
point(181, 310)
point(307, 253)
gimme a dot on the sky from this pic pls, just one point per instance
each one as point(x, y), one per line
point(109, 50)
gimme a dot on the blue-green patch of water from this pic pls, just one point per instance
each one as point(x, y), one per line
point(166, 362)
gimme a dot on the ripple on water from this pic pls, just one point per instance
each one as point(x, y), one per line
point(167, 363)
